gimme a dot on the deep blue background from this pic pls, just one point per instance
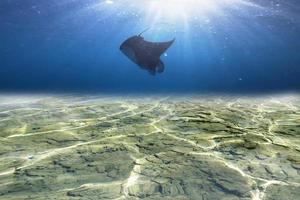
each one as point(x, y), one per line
point(49, 46)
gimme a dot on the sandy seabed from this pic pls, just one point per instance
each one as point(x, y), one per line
point(191, 147)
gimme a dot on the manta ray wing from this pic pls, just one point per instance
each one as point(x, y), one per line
point(156, 49)
point(160, 67)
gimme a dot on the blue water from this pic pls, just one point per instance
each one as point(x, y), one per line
point(236, 46)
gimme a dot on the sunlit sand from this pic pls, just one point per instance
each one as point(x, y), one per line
point(192, 147)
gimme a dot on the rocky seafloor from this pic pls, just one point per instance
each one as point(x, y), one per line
point(192, 147)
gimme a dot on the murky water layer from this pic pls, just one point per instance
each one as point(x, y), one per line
point(75, 147)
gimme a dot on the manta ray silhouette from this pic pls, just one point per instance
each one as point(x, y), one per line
point(145, 54)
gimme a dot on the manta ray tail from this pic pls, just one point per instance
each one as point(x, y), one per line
point(144, 31)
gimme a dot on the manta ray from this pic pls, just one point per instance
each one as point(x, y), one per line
point(145, 54)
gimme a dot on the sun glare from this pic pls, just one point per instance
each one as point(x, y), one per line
point(178, 15)
point(177, 10)
point(173, 8)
